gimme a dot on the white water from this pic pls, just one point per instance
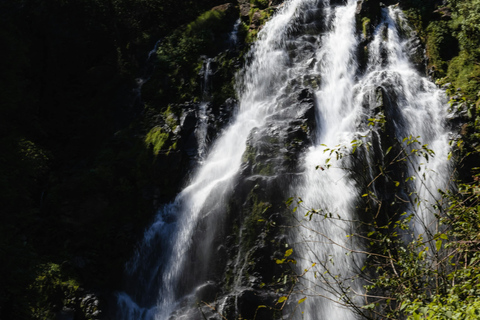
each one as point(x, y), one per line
point(320, 241)
point(212, 180)
point(420, 110)
point(330, 58)
point(201, 131)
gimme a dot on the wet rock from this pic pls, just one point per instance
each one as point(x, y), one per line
point(379, 105)
point(368, 14)
point(244, 9)
point(249, 302)
point(188, 121)
point(90, 305)
point(230, 10)
point(275, 148)
point(368, 9)
point(256, 21)
point(417, 52)
point(225, 112)
point(207, 292)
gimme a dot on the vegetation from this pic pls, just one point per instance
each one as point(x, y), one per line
point(76, 175)
point(435, 276)
point(409, 273)
point(82, 163)
point(176, 79)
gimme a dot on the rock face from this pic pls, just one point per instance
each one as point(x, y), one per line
point(368, 15)
point(257, 211)
point(251, 237)
point(274, 149)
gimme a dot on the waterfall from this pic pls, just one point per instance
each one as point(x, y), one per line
point(321, 242)
point(416, 108)
point(309, 46)
point(201, 131)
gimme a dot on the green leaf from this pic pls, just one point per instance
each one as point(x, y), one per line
point(438, 244)
point(288, 252)
point(370, 306)
point(282, 299)
point(289, 201)
point(388, 150)
point(280, 261)
point(302, 300)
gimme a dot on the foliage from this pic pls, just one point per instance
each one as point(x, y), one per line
point(465, 73)
point(465, 17)
point(51, 291)
point(156, 138)
point(366, 24)
point(412, 271)
point(76, 178)
point(441, 46)
point(179, 58)
point(459, 298)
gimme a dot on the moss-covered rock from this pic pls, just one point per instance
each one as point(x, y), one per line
point(179, 57)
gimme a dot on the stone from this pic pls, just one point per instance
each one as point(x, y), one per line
point(244, 9)
point(207, 291)
point(188, 120)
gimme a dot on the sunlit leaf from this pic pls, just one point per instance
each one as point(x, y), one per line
point(282, 299)
point(302, 300)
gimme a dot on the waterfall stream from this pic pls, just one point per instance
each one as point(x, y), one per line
point(417, 108)
point(308, 45)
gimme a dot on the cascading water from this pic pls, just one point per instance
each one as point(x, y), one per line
point(310, 47)
point(415, 108)
point(329, 190)
point(163, 272)
point(201, 131)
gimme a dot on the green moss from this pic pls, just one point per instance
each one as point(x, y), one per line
point(170, 118)
point(255, 217)
point(464, 72)
point(52, 290)
point(251, 36)
point(156, 138)
point(465, 16)
point(209, 20)
point(223, 83)
point(441, 46)
point(176, 76)
point(266, 170)
point(249, 154)
point(366, 23)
